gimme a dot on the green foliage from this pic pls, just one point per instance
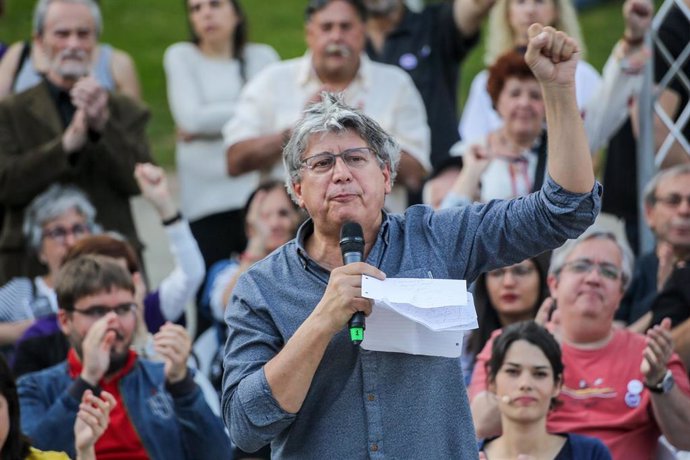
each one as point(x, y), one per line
point(146, 28)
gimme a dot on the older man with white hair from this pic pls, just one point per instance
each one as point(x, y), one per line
point(68, 129)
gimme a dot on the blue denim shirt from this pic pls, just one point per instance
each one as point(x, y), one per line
point(171, 427)
point(372, 404)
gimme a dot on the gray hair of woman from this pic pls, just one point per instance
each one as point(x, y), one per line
point(41, 9)
point(332, 115)
point(561, 254)
point(51, 204)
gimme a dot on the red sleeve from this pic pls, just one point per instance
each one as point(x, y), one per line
point(680, 374)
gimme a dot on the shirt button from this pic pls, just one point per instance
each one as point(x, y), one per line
point(374, 447)
point(371, 397)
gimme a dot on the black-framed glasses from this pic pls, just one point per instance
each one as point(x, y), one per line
point(673, 200)
point(354, 158)
point(59, 233)
point(517, 271)
point(99, 311)
point(582, 266)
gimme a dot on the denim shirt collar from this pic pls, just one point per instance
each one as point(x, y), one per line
point(375, 255)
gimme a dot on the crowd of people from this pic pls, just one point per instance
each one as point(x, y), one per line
point(581, 350)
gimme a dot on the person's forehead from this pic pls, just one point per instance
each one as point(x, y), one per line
point(334, 142)
point(519, 82)
point(598, 250)
point(674, 184)
point(337, 11)
point(526, 354)
point(112, 297)
point(69, 15)
point(70, 215)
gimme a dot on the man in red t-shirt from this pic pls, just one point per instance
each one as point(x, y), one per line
point(623, 388)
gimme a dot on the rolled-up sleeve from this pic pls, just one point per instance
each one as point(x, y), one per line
point(504, 232)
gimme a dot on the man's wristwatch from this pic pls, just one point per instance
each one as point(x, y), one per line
point(664, 386)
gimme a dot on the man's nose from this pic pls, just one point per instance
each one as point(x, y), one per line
point(684, 206)
point(593, 275)
point(73, 40)
point(341, 171)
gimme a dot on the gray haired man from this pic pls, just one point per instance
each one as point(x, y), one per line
point(292, 376)
point(67, 129)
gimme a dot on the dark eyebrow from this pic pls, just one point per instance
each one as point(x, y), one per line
point(520, 365)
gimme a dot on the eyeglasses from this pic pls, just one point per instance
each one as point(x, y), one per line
point(580, 266)
point(673, 200)
point(99, 311)
point(518, 271)
point(355, 158)
point(59, 233)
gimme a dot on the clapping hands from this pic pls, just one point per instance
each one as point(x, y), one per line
point(92, 421)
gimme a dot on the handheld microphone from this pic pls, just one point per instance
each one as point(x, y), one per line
point(352, 249)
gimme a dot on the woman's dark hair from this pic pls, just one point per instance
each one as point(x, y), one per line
point(531, 332)
point(510, 64)
point(487, 316)
point(17, 445)
point(238, 39)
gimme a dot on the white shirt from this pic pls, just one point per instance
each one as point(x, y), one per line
point(275, 100)
point(503, 179)
point(203, 93)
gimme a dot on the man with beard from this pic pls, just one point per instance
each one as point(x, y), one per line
point(429, 46)
point(274, 100)
point(67, 129)
point(160, 412)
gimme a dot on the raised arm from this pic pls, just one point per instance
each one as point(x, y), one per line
point(553, 56)
point(180, 286)
point(468, 15)
point(622, 77)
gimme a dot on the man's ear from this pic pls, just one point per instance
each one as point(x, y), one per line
point(387, 179)
point(64, 321)
point(297, 188)
point(552, 282)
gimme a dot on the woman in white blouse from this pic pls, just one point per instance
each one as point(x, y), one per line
point(204, 78)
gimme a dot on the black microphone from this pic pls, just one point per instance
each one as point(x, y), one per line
point(352, 249)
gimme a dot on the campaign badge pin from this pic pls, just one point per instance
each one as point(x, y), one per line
point(408, 61)
point(632, 397)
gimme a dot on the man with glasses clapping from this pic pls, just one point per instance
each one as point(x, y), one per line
point(632, 388)
point(160, 412)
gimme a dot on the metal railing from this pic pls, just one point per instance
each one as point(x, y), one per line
point(649, 159)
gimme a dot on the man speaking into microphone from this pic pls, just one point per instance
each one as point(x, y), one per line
point(293, 377)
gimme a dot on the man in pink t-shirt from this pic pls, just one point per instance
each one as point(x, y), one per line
point(623, 388)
